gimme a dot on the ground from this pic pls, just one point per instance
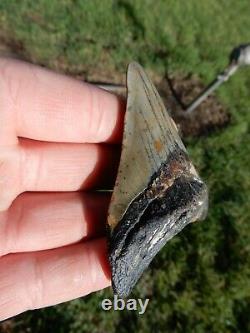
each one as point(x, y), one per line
point(200, 281)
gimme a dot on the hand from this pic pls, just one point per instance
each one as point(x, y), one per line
point(56, 135)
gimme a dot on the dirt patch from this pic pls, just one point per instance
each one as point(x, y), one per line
point(209, 116)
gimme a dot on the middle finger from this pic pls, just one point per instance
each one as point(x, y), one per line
point(41, 166)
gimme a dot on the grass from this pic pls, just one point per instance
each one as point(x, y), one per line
point(200, 281)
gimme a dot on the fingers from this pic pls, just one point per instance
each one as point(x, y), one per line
point(39, 104)
point(38, 279)
point(42, 166)
point(67, 167)
point(40, 221)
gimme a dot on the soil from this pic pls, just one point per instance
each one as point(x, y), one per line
point(207, 117)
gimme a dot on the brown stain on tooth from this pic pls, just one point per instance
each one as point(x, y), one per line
point(158, 146)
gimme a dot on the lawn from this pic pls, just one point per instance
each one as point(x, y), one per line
point(200, 281)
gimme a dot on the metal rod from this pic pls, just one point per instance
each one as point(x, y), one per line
point(240, 56)
point(211, 87)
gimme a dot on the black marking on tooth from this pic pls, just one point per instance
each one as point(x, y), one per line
point(151, 219)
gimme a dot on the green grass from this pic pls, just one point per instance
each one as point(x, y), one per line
point(200, 281)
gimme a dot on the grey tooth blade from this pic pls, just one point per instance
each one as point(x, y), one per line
point(149, 135)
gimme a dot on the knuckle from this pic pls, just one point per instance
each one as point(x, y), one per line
point(99, 119)
point(9, 90)
point(13, 227)
point(96, 115)
point(9, 81)
point(35, 290)
point(31, 167)
point(92, 264)
point(9, 176)
point(4, 233)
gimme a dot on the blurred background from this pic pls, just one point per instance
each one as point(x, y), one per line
point(200, 281)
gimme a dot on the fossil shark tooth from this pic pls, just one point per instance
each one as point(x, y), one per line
point(157, 191)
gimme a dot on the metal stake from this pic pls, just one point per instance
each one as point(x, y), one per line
point(240, 56)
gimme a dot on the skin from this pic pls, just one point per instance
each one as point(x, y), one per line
point(59, 139)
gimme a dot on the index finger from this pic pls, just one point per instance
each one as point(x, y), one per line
point(39, 104)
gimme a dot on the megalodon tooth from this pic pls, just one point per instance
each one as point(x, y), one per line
point(157, 190)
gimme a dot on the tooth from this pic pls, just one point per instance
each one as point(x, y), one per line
point(157, 191)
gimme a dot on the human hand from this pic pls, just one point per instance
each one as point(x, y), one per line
point(56, 135)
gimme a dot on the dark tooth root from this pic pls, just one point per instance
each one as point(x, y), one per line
point(164, 217)
point(132, 246)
